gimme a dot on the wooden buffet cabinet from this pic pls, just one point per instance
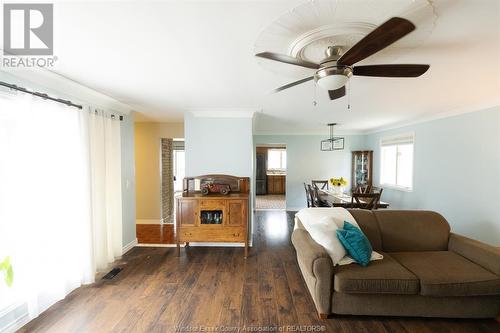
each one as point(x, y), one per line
point(213, 217)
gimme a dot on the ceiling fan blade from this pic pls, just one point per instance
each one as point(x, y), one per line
point(287, 59)
point(286, 86)
point(337, 93)
point(383, 36)
point(390, 70)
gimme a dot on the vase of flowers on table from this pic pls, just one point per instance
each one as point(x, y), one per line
point(338, 185)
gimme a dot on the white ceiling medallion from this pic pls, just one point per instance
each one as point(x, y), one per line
point(308, 29)
point(311, 46)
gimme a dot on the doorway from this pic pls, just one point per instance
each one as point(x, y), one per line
point(169, 167)
point(270, 177)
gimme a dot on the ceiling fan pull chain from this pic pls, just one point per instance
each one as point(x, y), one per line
point(315, 103)
point(348, 96)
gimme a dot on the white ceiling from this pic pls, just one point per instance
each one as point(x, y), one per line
point(167, 58)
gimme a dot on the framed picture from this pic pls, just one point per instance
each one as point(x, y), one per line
point(338, 144)
point(326, 145)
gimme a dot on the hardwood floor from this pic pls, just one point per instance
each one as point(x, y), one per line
point(155, 233)
point(210, 287)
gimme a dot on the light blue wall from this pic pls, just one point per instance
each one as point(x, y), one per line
point(305, 161)
point(128, 179)
point(456, 172)
point(218, 145)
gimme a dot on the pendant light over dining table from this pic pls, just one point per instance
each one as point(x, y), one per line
point(333, 142)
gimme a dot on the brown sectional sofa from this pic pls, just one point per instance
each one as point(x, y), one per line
point(426, 271)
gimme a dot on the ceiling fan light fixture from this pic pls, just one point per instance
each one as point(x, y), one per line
point(333, 82)
point(334, 77)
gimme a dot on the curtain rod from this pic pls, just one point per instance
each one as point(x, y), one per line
point(45, 96)
point(39, 94)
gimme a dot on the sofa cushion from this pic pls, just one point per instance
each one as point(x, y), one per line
point(445, 273)
point(384, 276)
point(404, 230)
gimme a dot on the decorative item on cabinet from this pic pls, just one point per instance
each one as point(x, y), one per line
point(213, 217)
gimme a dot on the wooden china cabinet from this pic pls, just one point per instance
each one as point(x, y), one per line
point(213, 217)
point(362, 165)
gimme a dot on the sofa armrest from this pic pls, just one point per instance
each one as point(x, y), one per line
point(316, 265)
point(482, 254)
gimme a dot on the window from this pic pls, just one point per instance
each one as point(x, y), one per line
point(60, 206)
point(396, 167)
point(276, 159)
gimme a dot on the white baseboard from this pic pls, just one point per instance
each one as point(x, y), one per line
point(129, 246)
point(293, 209)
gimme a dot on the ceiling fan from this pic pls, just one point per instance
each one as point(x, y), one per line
point(333, 72)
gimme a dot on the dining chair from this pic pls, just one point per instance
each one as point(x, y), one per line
point(316, 199)
point(308, 196)
point(366, 200)
point(360, 188)
point(320, 184)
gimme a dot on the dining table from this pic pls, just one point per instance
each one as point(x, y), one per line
point(344, 200)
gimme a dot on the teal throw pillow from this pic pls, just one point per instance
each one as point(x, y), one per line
point(355, 243)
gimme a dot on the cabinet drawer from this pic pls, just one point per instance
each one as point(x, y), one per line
point(212, 203)
point(211, 234)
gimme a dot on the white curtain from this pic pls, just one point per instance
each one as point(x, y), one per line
point(60, 198)
point(105, 161)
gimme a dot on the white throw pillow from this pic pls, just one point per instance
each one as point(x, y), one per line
point(323, 233)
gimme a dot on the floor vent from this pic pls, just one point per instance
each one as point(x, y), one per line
point(112, 273)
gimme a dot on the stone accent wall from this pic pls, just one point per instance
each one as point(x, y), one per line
point(167, 181)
